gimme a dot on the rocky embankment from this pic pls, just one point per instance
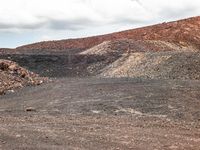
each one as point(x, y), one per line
point(13, 76)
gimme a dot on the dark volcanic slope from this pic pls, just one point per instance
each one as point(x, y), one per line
point(184, 32)
point(113, 59)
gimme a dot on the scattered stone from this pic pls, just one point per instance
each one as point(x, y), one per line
point(10, 91)
point(30, 109)
point(96, 111)
point(18, 135)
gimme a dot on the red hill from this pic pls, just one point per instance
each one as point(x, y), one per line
point(183, 32)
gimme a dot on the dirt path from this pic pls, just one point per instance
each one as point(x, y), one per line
point(102, 114)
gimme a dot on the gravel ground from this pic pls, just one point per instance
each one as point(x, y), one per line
point(95, 113)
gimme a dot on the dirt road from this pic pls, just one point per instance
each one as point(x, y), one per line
point(95, 113)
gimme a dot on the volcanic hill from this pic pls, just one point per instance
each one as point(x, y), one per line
point(164, 51)
point(183, 32)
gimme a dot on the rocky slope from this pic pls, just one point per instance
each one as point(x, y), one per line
point(13, 76)
point(156, 65)
point(145, 59)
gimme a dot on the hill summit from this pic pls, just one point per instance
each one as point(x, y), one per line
point(183, 32)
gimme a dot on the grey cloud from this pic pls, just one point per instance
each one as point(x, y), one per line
point(22, 25)
point(5, 26)
point(31, 26)
point(47, 22)
point(75, 24)
point(55, 24)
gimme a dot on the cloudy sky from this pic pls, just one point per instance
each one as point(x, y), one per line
point(27, 21)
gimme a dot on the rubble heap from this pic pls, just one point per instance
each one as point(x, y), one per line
point(13, 76)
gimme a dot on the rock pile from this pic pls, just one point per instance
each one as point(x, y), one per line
point(13, 76)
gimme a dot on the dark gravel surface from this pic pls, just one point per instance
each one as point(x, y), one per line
point(94, 113)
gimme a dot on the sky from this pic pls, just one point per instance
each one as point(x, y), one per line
point(27, 21)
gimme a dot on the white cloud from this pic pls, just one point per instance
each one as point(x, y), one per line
point(81, 17)
point(34, 14)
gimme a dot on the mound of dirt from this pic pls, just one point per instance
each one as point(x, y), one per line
point(156, 65)
point(13, 76)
